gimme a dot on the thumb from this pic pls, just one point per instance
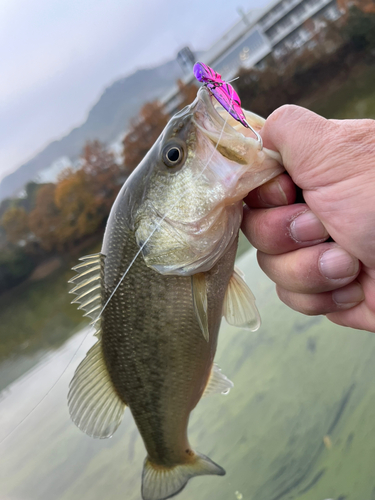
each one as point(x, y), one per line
point(303, 140)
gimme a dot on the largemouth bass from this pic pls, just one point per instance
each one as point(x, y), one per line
point(165, 277)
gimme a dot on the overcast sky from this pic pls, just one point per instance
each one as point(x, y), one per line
point(57, 56)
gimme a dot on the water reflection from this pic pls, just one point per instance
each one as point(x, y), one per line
point(299, 423)
point(42, 373)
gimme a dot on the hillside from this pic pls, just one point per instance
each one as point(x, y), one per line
point(106, 120)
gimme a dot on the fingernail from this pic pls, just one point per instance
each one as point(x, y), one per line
point(307, 227)
point(348, 296)
point(273, 194)
point(337, 263)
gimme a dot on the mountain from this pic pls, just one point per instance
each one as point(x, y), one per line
point(107, 119)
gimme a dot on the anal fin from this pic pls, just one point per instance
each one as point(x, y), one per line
point(239, 304)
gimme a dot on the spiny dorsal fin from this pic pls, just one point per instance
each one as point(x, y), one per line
point(94, 405)
point(218, 383)
point(239, 303)
point(199, 290)
point(87, 283)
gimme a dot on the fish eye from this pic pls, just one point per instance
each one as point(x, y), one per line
point(173, 154)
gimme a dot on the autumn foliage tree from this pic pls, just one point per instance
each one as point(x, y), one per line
point(103, 175)
point(188, 91)
point(84, 197)
point(45, 220)
point(79, 203)
point(56, 217)
point(144, 130)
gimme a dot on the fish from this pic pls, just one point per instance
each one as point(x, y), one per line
point(162, 282)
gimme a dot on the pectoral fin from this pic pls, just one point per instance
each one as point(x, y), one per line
point(239, 304)
point(199, 290)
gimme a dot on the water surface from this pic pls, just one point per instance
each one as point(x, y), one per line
point(299, 423)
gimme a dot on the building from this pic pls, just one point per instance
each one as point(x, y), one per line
point(280, 27)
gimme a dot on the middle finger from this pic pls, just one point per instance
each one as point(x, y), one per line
point(315, 269)
point(282, 229)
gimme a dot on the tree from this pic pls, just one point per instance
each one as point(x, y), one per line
point(15, 267)
point(45, 220)
point(360, 29)
point(5, 205)
point(15, 223)
point(85, 197)
point(28, 202)
point(77, 206)
point(188, 93)
point(144, 130)
point(103, 175)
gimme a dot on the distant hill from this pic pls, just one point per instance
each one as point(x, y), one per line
point(106, 120)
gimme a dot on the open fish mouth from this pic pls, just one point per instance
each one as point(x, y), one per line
point(212, 115)
point(221, 119)
point(231, 139)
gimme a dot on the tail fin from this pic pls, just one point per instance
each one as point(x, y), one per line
point(159, 483)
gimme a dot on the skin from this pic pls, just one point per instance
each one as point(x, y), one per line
point(332, 161)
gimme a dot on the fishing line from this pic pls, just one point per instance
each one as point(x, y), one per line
point(49, 390)
point(117, 286)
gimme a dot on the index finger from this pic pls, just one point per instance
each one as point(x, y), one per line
point(305, 141)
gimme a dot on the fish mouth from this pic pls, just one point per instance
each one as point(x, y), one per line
point(221, 119)
point(227, 135)
point(218, 115)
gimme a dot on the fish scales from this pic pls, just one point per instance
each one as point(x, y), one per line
point(158, 360)
point(162, 282)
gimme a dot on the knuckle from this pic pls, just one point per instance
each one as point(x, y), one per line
point(286, 111)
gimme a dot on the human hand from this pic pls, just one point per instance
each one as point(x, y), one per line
point(333, 162)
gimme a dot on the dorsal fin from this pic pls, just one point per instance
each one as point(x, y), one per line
point(94, 404)
point(239, 303)
point(87, 283)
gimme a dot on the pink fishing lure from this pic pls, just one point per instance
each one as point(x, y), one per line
point(221, 90)
point(224, 93)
